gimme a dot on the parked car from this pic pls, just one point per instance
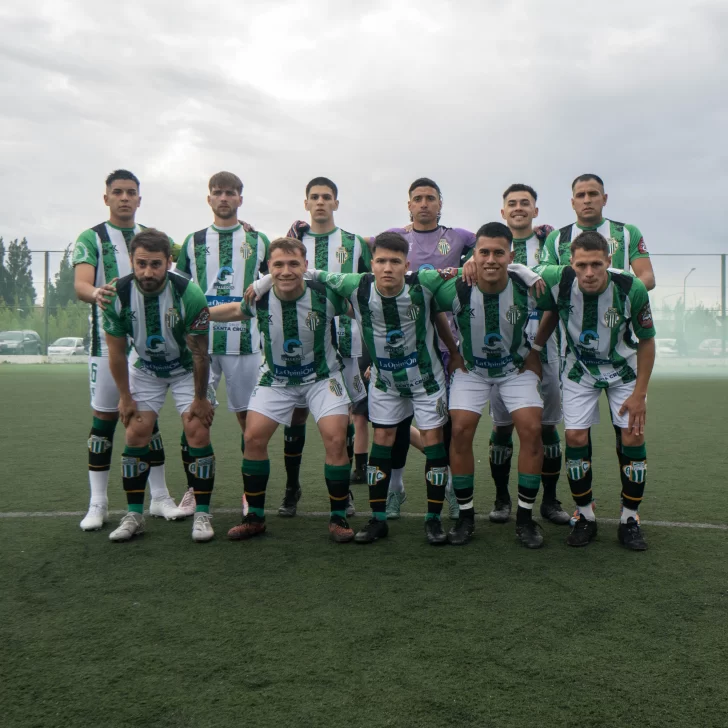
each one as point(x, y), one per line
point(20, 342)
point(666, 347)
point(711, 347)
point(67, 346)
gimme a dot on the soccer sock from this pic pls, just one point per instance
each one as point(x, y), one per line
point(134, 475)
point(396, 483)
point(527, 491)
point(463, 487)
point(337, 482)
point(618, 437)
point(435, 478)
point(633, 473)
point(100, 446)
point(202, 469)
point(186, 459)
point(578, 469)
point(294, 438)
point(500, 454)
point(378, 472)
point(360, 460)
point(350, 442)
point(255, 480)
point(157, 481)
point(551, 463)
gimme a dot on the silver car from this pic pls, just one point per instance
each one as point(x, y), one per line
point(67, 346)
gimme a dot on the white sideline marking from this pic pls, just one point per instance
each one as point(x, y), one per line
point(325, 514)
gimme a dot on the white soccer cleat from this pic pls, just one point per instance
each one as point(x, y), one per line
point(188, 504)
point(98, 514)
point(132, 524)
point(165, 508)
point(202, 528)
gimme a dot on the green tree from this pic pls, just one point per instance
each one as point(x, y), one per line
point(61, 292)
point(19, 290)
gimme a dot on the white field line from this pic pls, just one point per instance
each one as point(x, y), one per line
point(325, 514)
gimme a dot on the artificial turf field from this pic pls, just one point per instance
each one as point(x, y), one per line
point(293, 630)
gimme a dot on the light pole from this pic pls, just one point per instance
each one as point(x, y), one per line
point(685, 303)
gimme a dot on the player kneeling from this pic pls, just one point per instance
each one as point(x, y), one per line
point(165, 317)
point(301, 368)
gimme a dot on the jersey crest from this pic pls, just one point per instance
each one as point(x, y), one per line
point(245, 250)
point(413, 312)
point(312, 320)
point(342, 255)
point(613, 246)
point(443, 246)
point(172, 317)
point(611, 317)
point(513, 314)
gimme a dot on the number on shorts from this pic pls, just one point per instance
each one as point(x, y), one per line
point(93, 372)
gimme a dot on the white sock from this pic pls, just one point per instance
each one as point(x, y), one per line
point(467, 506)
point(627, 514)
point(587, 511)
point(99, 482)
point(157, 482)
point(396, 484)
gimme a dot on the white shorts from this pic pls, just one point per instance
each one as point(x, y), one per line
point(352, 377)
point(470, 391)
point(328, 397)
point(149, 391)
point(389, 409)
point(581, 404)
point(104, 393)
point(241, 375)
point(550, 391)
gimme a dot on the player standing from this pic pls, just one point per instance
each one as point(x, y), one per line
point(165, 316)
point(100, 256)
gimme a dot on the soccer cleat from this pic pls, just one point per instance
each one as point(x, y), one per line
point(552, 511)
point(350, 508)
point(358, 477)
point(132, 524)
point(529, 534)
point(575, 517)
point(501, 512)
point(372, 531)
point(98, 514)
point(340, 530)
point(630, 535)
point(434, 532)
point(165, 508)
point(290, 502)
point(252, 525)
point(582, 533)
point(188, 504)
point(394, 503)
point(202, 528)
point(463, 529)
point(452, 503)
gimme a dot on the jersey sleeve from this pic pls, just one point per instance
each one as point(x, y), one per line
point(85, 250)
point(340, 304)
point(249, 311)
point(197, 314)
point(183, 259)
point(548, 252)
point(468, 238)
point(365, 261)
point(433, 280)
point(551, 275)
point(637, 247)
point(446, 296)
point(641, 316)
point(266, 247)
point(113, 323)
point(342, 283)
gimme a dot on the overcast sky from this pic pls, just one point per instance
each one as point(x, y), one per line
point(476, 95)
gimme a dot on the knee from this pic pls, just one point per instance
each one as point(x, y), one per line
point(384, 436)
point(577, 438)
point(335, 442)
point(462, 435)
point(197, 434)
point(138, 436)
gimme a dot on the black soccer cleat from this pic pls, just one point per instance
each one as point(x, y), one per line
point(434, 532)
point(463, 529)
point(529, 534)
point(501, 512)
point(582, 533)
point(372, 531)
point(358, 477)
point(290, 501)
point(630, 536)
point(551, 510)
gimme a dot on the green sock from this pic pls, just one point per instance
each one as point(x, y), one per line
point(202, 469)
point(135, 464)
point(255, 480)
point(337, 482)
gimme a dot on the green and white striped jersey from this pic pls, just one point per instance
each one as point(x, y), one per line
point(224, 262)
point(493, 326)
point(621, 237)
point(298, 336)
point(340, 252)
point(398, 330)
point(601, 350)
point(158, 324)
point(106, 248)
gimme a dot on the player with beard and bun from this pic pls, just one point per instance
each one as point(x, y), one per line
point(601, 312)
point(100, 257)
point(224, 259)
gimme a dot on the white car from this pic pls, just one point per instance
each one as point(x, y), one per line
point(67, 346)
point(666, 347)
point(712, 347)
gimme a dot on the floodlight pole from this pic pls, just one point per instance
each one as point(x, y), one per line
point(723, 320)
point(47, 257)
point(685, 301)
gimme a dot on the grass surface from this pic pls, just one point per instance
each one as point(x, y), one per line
point(292, 630)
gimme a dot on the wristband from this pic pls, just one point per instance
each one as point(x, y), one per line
point(536, 347)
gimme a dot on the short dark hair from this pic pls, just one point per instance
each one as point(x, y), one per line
point(153, 241)
point(494, 230)
point(391, 241)
point(518, 187)
point(323, 182)
point(424, 182)
point(586, 178)
point(224, 181)
point(122, 174)
point(287, 245)
point(590, 240)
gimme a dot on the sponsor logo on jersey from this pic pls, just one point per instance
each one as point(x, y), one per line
point(246, 251)
point(155, 345)
point(644, 317)
point(641, 246)
point(613, 246)
point(202, 321)
point(396, 363)
point(172, 317)
point(80, 253)
point(335, 388)
point(224, 281)
point(394, 340)
point(513, 314)
point(203, 468)
point(374, 475)
point(635, 472)
point(611, 317)
point(128, 314)
point(292, 349)
point(98, 445)
point(493, 344)
point(413, 312)
point(341, 254)
point(424, 266)
point(467, 311)
point(443, 246)
point(436, 476)
point(589, 339)
point(312, 320)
